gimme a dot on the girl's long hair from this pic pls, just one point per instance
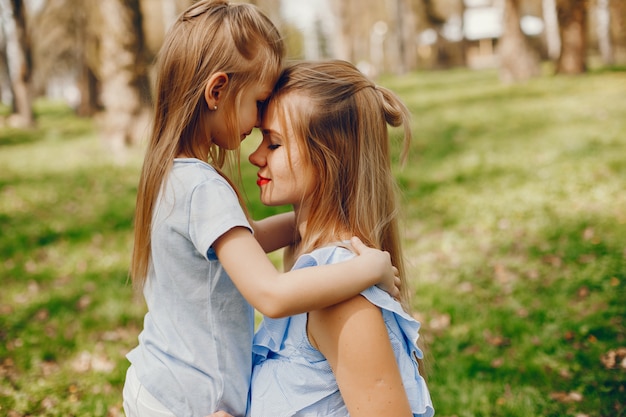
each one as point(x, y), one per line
point(340, 118)
point(210, 36)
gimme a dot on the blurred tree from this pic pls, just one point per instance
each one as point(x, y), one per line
point(66, 50)
point(377, 36)
point(122, 72)
point(618, 28)
point(572, 15)
point(603, 31)
point(271, 8)
point(342, 44)
point(157, 17)
point(553, 39)
point(518, 60)
point(445, 17)
point(18, 59)
point(405, 24)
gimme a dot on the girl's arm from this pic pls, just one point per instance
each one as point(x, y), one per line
point(276, 231)
point(353, 338)
point(277, 294)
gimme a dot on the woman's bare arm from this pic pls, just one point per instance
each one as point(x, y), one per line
point(353, 338)
point(276, 231)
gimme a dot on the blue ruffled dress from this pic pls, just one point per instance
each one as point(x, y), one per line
point(292, 378)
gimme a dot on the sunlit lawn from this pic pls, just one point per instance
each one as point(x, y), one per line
point(515, 211)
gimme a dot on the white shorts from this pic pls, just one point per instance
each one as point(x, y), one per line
point(138, 402)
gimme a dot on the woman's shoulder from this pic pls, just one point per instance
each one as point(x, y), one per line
point(334, 253)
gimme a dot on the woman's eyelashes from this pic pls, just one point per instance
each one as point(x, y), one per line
point(273, 142)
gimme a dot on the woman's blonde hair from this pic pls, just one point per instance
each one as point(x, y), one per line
point(209, 37)
point(339, 119)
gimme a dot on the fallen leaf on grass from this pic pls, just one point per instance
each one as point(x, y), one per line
point(583, 292)
point(496, 339)
point(566, 397)
point(465, 287)
point(553, 260)
point(615, 359)
point(498, 362)
point(48, 403)
point(588, 233)
point(49, 368)
point(7, 370)
point(115, 411)
point(439, 322)
point(97, 362)
point(83, 302)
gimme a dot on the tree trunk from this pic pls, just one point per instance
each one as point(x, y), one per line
point(400, 39)
point(342, 41)
point(518, 60)
point(122, 72)
point(405, 28)
point(87, 84)
point(618, 27)
point(19, 61)
point(603, 28)
point(170, 13)
point(86, 47)
point(572, 16)
point(553, 40)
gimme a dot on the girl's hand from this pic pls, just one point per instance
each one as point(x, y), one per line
point(390, 276)
point(220, 414)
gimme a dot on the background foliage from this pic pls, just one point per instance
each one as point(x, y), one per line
point(515, 214)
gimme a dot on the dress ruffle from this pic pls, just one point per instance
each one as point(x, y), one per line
point(300, 378)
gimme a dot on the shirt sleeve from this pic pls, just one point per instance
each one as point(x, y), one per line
point(214, 209)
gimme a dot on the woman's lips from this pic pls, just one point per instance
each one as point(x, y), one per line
point(261, 181)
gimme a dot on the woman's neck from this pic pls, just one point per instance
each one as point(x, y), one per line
point(335, 236)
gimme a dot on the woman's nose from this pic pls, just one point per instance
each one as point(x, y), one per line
point(256, 158)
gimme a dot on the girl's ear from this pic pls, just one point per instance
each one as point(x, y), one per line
point(215, 89)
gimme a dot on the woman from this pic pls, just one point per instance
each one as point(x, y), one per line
point(325, 150)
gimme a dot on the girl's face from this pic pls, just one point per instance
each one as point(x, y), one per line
point(249, 116)
point(284, 176)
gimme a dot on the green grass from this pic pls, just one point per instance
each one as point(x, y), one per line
point(514, 213)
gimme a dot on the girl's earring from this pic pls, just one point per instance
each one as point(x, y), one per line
point(215, 107)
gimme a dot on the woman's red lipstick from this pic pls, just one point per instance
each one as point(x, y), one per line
point(261, 181)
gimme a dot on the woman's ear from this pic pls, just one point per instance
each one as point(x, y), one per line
point(215, 89)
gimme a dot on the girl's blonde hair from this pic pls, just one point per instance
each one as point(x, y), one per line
point(340, 125)
point(209, 37)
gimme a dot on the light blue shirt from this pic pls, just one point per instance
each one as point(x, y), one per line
point(194, 353)
point(292, 378)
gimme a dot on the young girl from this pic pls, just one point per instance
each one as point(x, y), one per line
point(325, 150)
point(195, 257)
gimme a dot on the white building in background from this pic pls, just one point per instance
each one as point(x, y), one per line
point(482, 27)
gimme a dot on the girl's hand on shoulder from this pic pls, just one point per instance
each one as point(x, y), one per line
point(220, 414)
point(380, 261)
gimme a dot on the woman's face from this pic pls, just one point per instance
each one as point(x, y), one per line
point(284, 176)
